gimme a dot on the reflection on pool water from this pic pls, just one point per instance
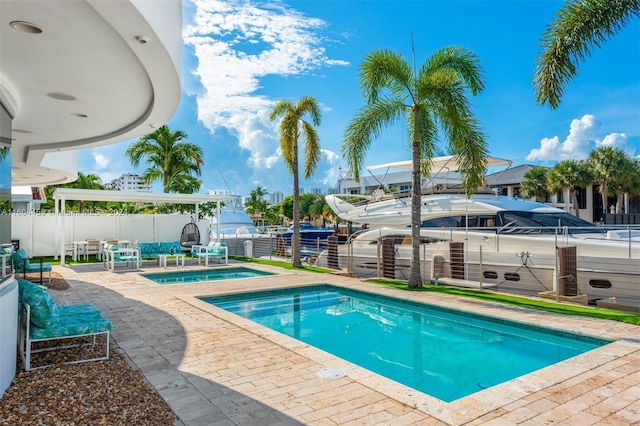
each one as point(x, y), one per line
point(200, 275)
point(445, 353)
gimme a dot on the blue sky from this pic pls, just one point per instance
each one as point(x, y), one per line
point(240, 57)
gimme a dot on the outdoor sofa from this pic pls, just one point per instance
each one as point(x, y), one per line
point(157, 249)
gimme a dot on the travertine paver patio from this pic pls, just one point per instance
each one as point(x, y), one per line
point(214, 368)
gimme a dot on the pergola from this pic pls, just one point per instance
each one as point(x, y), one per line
point(61, 195)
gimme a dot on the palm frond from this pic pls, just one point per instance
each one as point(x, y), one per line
point(579, 27)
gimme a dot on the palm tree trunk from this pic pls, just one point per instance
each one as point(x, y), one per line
point(605, 199)
point(574, 200)
point(295, 238)
point(415, 278)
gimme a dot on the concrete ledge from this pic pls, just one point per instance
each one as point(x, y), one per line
point(455, 282)
point(612, 304)
point(579, 300)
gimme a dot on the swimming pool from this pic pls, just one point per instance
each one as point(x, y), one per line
point(445, 353)
point(200, 275)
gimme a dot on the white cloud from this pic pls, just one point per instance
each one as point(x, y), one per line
point(109, 162)
point(616, 140)
point(237, 44)
point(583, 137)
point(102, 161)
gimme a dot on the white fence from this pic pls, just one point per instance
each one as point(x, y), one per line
point(39, 234)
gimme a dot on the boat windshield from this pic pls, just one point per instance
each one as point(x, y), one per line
point(509, 220)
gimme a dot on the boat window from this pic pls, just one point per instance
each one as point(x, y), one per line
point(511, 276)
point(454, 221)
point(490, 275)
point(599, 284)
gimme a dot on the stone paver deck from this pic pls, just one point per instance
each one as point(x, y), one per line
point(214, 368)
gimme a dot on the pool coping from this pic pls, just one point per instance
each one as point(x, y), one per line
point(461, 410)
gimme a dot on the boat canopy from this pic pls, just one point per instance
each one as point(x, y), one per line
point(448, 163)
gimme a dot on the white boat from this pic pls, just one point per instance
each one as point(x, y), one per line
point(234, 226)
point(516, 237)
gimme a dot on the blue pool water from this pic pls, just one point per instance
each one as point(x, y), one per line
point(200, 275)
point(445, 353)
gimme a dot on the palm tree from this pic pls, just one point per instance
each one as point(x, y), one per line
point(578, 28)
point(170, 159)
point(605, 163)
point(568, 174)
point(627, 181)
point(84, 181)
point(256, 203)
point(291, 125)
point(432, 100)
point(534, 183)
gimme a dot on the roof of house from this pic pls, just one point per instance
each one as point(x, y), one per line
point(512, 176)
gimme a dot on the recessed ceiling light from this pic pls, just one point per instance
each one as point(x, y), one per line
point(79, 115)
point(61, 96)
point(21, 131)
point(25, 27)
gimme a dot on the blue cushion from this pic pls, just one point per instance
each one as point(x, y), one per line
point(43, 309)
point(85, 320)
point(149, 249)
point(20, 260)
point(172, 247)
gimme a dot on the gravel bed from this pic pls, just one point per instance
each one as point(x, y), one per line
point(108, 392)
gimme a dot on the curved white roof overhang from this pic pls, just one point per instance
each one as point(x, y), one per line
point(100, 72)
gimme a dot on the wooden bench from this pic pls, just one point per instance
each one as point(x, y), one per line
point(41, 320)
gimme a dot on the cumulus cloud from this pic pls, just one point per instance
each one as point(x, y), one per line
point(237, 44)
point(583, 137)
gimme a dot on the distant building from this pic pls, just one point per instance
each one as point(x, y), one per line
point(276, 197)
point(315, 191)
point(128, 182)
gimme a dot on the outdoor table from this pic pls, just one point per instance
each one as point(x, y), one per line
point(77, 245)
point(162, 259)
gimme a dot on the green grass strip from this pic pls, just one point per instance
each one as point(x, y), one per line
point(285, 265)
point(558, 308)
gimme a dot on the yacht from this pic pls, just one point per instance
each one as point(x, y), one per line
point(505, 239)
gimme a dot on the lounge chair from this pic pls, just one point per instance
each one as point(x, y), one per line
point(41, 320)
point(22, 265)
point(214, 249)
point(114, 255)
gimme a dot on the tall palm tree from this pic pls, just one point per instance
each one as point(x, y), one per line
point(534, 183)
point(627, 181)
point(578, 28)
point(292, 125)
point(605, 163)
point(170, 159)
point(568, 174)
point(433, 101)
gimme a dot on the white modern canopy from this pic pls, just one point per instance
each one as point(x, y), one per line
point(63, 194)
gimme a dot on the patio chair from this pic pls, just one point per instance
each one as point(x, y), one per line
point(214, 249)
point(190, 236)
point(93, 247)
point(114, 255)
point(22, 265)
